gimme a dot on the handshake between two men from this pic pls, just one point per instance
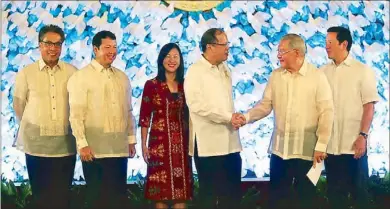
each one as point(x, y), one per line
point(238, 120)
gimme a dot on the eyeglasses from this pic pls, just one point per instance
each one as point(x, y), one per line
point(281, 53)
point(51, 44)
point(218, 44)
point(172, 56)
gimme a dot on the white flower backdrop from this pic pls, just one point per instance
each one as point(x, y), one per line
point(253, 27)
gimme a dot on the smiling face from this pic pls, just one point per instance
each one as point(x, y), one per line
point(172, 61)
point(50, 47)
point(286, 56)
point(106, 53)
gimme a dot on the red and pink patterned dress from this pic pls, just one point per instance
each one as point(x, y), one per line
point(169, 174)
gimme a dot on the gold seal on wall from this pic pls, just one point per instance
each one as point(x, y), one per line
point(194, 5)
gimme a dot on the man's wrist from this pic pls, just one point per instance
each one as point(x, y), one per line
point(365, 135)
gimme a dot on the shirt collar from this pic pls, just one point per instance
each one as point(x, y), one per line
point(97, 66)
point(301, 71)
point(42, 65)
point(347, 61)
point(209, 65)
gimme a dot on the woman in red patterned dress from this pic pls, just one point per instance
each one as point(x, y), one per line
point(169, 175)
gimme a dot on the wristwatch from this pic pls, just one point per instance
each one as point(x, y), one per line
point(363, 134)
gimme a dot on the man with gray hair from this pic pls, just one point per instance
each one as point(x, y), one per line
point(301, 99)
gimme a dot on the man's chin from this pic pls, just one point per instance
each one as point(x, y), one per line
point(109, 62)
point(52, 60)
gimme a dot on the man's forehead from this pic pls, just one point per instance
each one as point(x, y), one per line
point(283, 44)
point(331, 35)
point(221, 36)
point(52, 37)
point(107, 41)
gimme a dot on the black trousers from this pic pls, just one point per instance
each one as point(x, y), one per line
point(106, 180)
point(219, 181)
point(50, 180)
point(289, 185)
point(346, 175)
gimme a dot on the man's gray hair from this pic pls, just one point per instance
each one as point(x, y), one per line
point(295, 42)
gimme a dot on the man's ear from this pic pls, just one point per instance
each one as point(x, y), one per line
point(95, 49)
point(208, 46)
point(345, 44)
point(297, 52)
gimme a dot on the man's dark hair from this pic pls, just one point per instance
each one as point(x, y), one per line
point(343, 34)
point(160, 60)
point(209, 37)
point(97, 39)
point(50, 28)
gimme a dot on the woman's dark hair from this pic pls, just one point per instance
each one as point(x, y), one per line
point(161, 69)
